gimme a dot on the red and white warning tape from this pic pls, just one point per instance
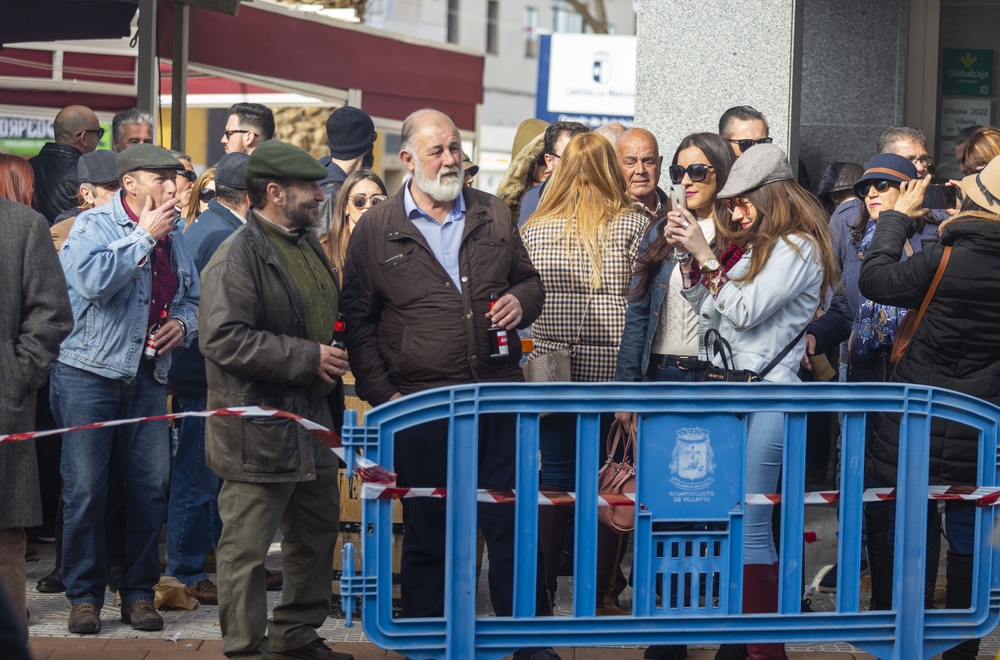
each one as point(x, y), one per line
point(380, 491)
point(379, 483)
point(368, 470)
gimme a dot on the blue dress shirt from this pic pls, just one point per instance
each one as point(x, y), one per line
point(444, 239)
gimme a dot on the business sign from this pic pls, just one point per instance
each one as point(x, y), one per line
point(957, 114)
point(589, 78)
point(967, 72)
point(23, 136)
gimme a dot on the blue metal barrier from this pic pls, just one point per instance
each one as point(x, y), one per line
point(691, 441)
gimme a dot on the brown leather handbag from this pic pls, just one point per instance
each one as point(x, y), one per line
point(618, 478)
point(908, 327)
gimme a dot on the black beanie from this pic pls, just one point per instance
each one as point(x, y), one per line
point(350, 132)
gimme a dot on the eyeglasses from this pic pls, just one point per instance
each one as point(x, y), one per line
point(926, 161)
point(230, 134)
point(741, 203)
point(206, 195)
point(188, 174)
point(880, 185)
point(746, 144)
point(360, 200)
point(99, 131)
point(696, 171)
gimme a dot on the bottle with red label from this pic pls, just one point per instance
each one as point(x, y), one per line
point(339, 329)
point(498, 336)
point(150, 350)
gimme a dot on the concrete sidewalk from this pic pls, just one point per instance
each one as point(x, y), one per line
point(78, 648)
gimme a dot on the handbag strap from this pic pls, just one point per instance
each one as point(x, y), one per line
point(781, 356)
point(934, 285)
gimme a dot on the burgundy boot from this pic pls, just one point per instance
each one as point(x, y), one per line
point(760, 596)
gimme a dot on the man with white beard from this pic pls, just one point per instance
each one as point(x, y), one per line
point(418, 278)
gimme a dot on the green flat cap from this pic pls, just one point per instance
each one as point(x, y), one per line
point(145, 157)
point(279, 160)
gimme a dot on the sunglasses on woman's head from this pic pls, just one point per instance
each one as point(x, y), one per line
point(880, 186)
point(696, 171)
point(206, 195)
point(360, 200)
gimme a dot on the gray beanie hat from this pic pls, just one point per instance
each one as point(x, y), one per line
point(760, 164)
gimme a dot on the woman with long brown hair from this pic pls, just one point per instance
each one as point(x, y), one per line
point(202, 193)
point(583, 239)
point(361, 190)
point(765, 288)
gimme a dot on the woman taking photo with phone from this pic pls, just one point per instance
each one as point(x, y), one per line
point(583, 239)
point(362, 189)
point(764, 287)
point(956, 346)
point(664, 338)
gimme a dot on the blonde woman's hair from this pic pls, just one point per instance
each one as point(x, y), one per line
point(192, 211)
point(584, 194)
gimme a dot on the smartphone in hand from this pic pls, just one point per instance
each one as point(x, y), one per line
point(940, 197)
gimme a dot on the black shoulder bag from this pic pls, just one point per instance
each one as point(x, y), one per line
point(715, 344)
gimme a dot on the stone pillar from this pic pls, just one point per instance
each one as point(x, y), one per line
point(697, 58)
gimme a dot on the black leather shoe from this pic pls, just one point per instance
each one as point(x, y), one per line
point(314, 650)
point(51, 583)
point(672, 652)
point(732, 652)
point(114, 577)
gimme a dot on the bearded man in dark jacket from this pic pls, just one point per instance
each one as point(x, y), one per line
point(419, 274)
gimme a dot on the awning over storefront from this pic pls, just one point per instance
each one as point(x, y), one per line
point(268, 46)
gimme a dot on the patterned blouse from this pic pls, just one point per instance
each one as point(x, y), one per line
point(565, 273)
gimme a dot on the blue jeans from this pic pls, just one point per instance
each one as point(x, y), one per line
point(765, 445)
point(81, 397)
point(193, 511)
point(959, 520)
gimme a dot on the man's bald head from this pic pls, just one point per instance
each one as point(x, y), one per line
point(421, 120)
point(77, 126)
point(640, 160)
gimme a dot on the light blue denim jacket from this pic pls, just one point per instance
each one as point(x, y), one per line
point(107, 267)
point(643, 317)
point(760, 317)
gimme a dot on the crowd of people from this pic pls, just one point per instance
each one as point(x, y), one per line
point(224, 289)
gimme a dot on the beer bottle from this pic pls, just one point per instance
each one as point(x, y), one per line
point(150, 350)
point(498, 336)
point(339, 328)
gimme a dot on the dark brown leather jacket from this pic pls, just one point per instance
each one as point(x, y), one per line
point(252, 330)
point(408, 328)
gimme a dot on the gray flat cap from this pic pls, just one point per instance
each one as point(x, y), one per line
point(230, 170)
point(97, 167)
point(145, 157)
point(760, 164)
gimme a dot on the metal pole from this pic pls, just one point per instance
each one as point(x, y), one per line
point(178, 91)
point(148, 77)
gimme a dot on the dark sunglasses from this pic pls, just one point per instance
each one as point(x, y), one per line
point(360, 200)
point(188, 174)
point(99, 131)
point(696, 171)
point(206, 195)
point(880, 185)
point(741, 203)
point(746, 144)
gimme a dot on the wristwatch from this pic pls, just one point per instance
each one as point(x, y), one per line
point(710, 266)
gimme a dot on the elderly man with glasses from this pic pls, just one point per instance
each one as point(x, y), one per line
point(77, 132)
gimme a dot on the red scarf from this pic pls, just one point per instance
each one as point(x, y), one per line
point(731, 256)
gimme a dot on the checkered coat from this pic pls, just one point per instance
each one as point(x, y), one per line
point(565, 272)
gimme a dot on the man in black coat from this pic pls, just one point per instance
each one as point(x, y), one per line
point(351, 135)
point(77, 132)
point(418, 278)
point(36, 318)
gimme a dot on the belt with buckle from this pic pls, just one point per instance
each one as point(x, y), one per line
point(683, 362)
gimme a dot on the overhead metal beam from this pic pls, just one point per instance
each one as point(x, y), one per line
point(148, 74)
point(179, 77)
point(231, 7)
